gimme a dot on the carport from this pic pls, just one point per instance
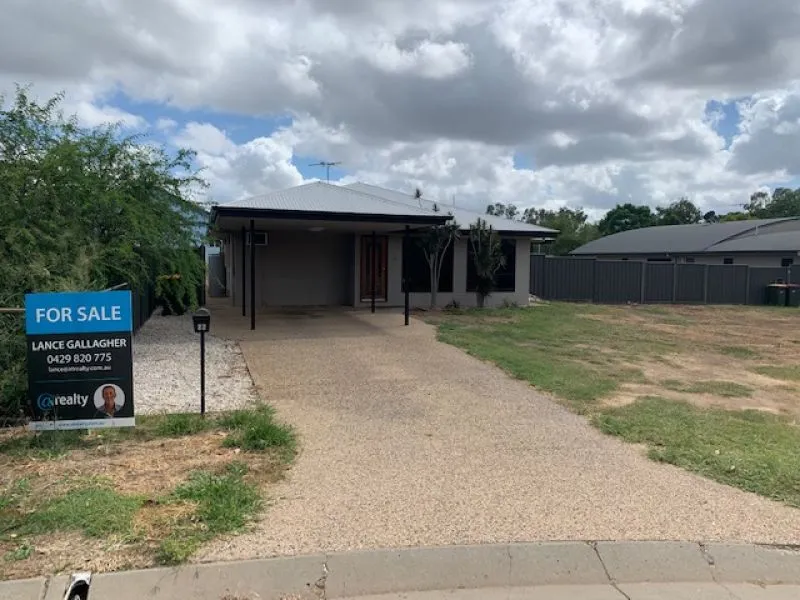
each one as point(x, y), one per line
point(317, 245)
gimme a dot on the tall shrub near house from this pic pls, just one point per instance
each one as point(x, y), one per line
point(487, 256)
point(84, 209)
point(434, 243)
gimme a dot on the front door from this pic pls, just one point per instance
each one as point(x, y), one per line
point(380, 262)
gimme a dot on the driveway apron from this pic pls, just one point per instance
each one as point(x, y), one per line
point(407, 441)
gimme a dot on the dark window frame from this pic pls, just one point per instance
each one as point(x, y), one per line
point(728, 260)
point(506, 277)
point(419, 274)
point(787, 261)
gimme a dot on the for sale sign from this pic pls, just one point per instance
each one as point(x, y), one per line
point(80, 360)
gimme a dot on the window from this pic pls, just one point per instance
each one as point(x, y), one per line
point(505, 278)
point(660, 259)
point(728, 260)
point(419, 273)
point(787, 262)
point(690, 259)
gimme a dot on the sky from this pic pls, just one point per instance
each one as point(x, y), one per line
point(539, 103)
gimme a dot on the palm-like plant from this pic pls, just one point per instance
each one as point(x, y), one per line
point(487, 255)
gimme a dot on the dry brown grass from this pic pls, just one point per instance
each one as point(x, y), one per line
point(148, 469)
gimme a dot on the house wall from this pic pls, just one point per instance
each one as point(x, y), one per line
point(761, 259)
point(459, 294)
point(297, 268)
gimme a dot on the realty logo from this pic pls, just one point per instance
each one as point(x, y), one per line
point(48, 401)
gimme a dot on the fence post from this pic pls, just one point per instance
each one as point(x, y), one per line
point(747, 286)
point(705, 284)
point(675, 281)
point(644, 279)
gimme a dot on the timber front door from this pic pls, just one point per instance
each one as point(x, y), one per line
point(379, 265)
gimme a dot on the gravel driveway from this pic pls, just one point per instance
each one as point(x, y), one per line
point(166, 369)
point(407, 441)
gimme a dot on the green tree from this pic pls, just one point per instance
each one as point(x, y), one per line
point(680, 212)
point(487, 256)
point(85, 209)
point(434, 243)
point(734, 216)
point(574, 230)
point(498, 209)
point(624, 217)
point(783, 202)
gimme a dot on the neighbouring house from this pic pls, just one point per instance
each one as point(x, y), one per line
point(755, 243)
point(320, 244)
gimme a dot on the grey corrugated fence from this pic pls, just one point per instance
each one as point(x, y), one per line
point(620, 282)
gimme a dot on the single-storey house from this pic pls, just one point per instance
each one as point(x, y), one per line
point(320, 244)
point(757, 243)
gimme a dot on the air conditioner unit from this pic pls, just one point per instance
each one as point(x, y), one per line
point(260, 237)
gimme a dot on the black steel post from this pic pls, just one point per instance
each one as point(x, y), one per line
point(372, 270)
point(203, 373)
point(406, 237)
point(244, 270)
point(252, 274)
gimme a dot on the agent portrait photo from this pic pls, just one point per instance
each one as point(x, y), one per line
point(108, 399)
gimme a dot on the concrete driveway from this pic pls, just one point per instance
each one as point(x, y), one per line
point(407, 441)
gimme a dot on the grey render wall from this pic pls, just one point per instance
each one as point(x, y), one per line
point(615, 282)
point(755, 259)
point(396, 298)
point(295, 268)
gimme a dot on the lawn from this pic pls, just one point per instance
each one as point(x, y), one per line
point(133, 498)
point(715, 390)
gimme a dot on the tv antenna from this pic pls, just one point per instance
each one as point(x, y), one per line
point(327, 166)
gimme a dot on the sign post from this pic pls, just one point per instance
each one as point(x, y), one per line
point(80, 359)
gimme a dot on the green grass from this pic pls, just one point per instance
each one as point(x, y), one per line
point(44, 444)
point(742, 352)
point(180, 425)
point(256, 430)
point(225, 503)
point(753, 451)
point(725, 389)
point(558, 348)
point(95, 510)
point(787, 372)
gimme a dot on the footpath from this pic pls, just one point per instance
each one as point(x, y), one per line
point(545, 570)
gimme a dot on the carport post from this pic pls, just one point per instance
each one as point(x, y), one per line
point(405, 271)
point(244, 271)
point(252, 274)
point(372, 271)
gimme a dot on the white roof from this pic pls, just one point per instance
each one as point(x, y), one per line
point(319, 197)
point(462, 216)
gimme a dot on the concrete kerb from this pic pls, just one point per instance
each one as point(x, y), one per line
point(365, 573)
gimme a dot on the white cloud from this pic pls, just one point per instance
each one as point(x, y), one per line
point(607, 98)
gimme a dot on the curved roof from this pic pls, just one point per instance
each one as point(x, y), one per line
point(782, 241)
point(462, 216)
point(671, 239)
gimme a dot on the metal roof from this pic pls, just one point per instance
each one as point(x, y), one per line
point(782, 241)
point(676, 239)
point(462, 216)
point(326, 199)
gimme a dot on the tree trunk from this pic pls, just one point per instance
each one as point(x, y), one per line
point(434, 283)
point(481, 300)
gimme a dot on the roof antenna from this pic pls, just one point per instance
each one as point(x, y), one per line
point(418, 196)
point(327, 166)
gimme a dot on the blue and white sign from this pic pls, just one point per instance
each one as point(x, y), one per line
point(80, 360)
point(78, 312)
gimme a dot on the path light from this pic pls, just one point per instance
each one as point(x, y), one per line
point(202, 323)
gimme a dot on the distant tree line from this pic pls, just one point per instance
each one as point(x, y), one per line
point(576, 230)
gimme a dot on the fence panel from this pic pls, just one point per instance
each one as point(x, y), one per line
point(568, 278)
point(691, 283)
point(618, 281)
point(760, 277)
point(537, 275)
point(727, 284)
point(658, 282)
